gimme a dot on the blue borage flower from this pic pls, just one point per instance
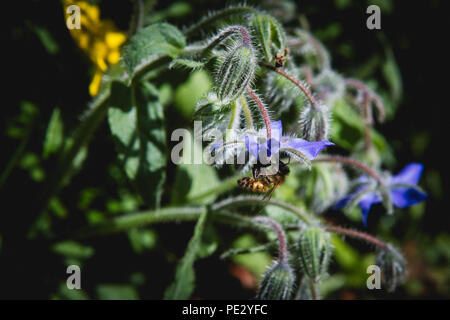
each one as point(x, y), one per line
point(298, 148)
point(255, 142)
point(401, 189)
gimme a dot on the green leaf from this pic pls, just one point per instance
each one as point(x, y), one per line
point(190, 178)
point(391, 73)
point(73, 249)
point(46, 38)
point(210, 242)
point(54, 136)
point(64, 293)
point(184, 282)
point(150, 44)
point(142, 239)
point(136, 121)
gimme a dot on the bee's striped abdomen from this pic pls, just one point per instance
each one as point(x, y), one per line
point(261, 184)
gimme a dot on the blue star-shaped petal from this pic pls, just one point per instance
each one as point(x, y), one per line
point(278, 142)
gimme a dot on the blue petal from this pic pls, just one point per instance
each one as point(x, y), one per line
point(309, 149)
point(343, 202)
point(404, 197)
point(409, 175)
point(366, 203)
point(252, 145)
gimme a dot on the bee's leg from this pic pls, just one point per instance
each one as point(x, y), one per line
point(255, 172)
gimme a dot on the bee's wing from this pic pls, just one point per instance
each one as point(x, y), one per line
point(267, 197)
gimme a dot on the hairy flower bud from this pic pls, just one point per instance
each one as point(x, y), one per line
point(270, 35)
point(235, 72)
point(315, 122)
point(278, 282)
point(393, 267)
point(315, 252)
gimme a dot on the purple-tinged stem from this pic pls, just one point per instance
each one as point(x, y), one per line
point(359, 235)
point(245, 36)
point(280, 234)
point(353, 163)
point(297, 82)
point(371, 96)
point(263, 111)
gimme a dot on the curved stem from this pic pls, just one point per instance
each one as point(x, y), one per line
point(137, 19)
point(359, 235)
point(246, 200)
point(297, 82)
point(353, 163)
point(263, 111)
point(260, 248)
point(173, 214)
point(170, 214)
point(370, 96)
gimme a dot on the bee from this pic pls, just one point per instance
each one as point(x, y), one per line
point(264, 183)
point(280, 58)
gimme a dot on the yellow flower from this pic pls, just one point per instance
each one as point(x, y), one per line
point(99, 39)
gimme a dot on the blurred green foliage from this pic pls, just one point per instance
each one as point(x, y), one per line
point(39, 127)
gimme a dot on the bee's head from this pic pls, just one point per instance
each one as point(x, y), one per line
point(284, 169)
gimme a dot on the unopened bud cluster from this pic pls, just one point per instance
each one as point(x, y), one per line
point(393, 267)
point(315, 122)
point(271, 37)
point(277, 282)
point(315, 251)
point(235, 72)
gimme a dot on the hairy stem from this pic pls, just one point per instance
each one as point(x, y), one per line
point(369, 97)
point(137, 19)
point(260, 248)
point(263, 111)
point(297, 82)
point(164, 215)
point(280, 235)
point(353, 163)
point(176, 214)
point(248, 200)
point(359, 235)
